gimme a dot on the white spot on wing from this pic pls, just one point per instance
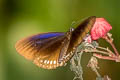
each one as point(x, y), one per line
point(45, 61)
point(50, 62)
point(54, 62)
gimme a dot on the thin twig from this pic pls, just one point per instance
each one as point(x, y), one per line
point(110, 41)
point(97, 51)
point(104, 57)
point(110, 53)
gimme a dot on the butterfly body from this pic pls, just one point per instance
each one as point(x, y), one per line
point(53, 49)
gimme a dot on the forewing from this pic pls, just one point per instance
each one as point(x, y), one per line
point(77, 36)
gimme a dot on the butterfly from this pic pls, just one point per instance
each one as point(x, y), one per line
point(53, 49)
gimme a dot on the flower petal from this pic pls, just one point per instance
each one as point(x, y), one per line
point(100, 28)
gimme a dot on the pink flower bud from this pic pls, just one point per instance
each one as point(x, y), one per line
point(100, 28)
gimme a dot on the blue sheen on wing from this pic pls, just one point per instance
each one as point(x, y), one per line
point(47, 35)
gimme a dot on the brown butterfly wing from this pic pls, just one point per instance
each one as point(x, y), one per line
point(77, 36)
point(44, 51)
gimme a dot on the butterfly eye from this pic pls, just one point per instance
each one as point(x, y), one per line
point(71, 29)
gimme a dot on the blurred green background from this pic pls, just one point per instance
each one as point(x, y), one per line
point(20, 18)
